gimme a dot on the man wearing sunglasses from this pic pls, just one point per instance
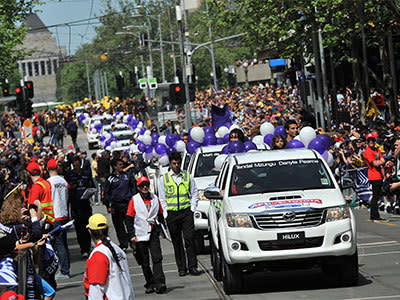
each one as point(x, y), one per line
point(143, 217)
point(179, 196)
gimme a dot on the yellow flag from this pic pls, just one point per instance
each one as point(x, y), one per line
point(371, 109)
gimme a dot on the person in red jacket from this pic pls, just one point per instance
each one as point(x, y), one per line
point(375, 162)
point(143, 225)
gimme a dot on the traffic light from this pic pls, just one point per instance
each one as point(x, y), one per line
point(6, 90)
point(177, 93)
point(29, 89)
point(28, 111)
point(19, 94)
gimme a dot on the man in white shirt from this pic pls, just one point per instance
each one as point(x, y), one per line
point(59, 195)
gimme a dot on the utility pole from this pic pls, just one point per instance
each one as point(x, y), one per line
point(178, 7)
point(106, 83)
point(88, 80)
point(324, 80)
point(172, 44)
point(212, 50)
point(161, 51)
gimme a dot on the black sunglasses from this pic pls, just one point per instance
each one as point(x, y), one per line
point(144, 184)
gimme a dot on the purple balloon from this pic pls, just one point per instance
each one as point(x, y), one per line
point(142, 130)
point(325, 155)
point(225, 150)
point(326, 140)
point(317, 144)
point(192, 146)
point(226, 138)
point(161, 149)
point(209, 139)
point(102, 138)
point(220, 141)
point(249, 146)
point(81, 118)
point(280, 130)
point(148, 148)
point(141, 147)
point(129, 119)
point(208, 130)
point(294, 144)
point(155, 135)
point(268, 139)
point(228, 125)
point(170, 140)
point(154, 142)
point(236, 147)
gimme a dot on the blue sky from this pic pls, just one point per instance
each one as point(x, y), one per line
point(58, 12)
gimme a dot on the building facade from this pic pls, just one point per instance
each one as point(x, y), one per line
point(41, 66)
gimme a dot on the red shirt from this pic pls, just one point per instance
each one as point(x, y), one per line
point(370, 155)
point(37, 192)
point(97, 269)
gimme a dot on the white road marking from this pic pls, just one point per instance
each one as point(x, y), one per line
point(377, 243)
point(379, 253)
point(377, 297)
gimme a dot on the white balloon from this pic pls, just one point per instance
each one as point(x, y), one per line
point(161, 140)
point(197, 134)
point(222, 131)
point(180, 146)
point(258, 140)
point(108, 148)
point(133, 148)
point(307, 134)
point(140, 124)
point(125, 118)
point(163, 160)
point(155, 154)
point(297, 137)
point(146, 139)
point(267, 128)
point(147, 132)
point(113, 144)
point(148, 156)
point(219, 160)
point(234, 126)
point(329, 159)
point(140, 138)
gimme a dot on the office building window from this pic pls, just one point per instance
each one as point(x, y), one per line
point(42, 68)
point(48, 63)
point(23, 68)
point(30, 69)
point(55, 65)
point(36, 68)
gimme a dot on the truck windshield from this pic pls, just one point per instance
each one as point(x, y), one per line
point(275, 176)
point(205, 165)
point(122, 137)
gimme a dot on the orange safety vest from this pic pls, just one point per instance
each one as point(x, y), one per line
point(47, 202)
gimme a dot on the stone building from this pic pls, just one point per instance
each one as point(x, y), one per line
point(41, 66)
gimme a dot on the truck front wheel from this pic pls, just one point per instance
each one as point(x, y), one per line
point(349, 270)
point(215, 260)
point(232, 278)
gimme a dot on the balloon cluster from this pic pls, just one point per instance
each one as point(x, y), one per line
point(307, 138)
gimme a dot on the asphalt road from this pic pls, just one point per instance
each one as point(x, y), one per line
point(379, 259)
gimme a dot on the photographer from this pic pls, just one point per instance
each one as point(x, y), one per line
point(395, 178)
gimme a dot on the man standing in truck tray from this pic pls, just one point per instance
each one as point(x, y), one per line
point(179, 197)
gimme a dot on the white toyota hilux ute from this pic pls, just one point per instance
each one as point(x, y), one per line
point(278, 210)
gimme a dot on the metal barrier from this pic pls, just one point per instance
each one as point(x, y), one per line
point(21, 275)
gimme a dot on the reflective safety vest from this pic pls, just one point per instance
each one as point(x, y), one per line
point(177, 196)
point(47, 202)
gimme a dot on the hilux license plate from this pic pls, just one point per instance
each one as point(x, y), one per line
point(291, 236)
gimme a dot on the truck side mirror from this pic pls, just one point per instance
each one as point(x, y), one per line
point(213, 192)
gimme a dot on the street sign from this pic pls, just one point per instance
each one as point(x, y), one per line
point(153, 83)
point(143, 83)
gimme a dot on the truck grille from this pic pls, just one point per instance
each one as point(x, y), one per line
point(287, 245)
point(287, 219)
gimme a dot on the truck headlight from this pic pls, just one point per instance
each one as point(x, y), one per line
point(202, 197)
point(238, 220)
point(337, 213)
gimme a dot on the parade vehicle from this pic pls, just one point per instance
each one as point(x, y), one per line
point(118, 127)
point(202, 169)
point(123, 138)
point(92, 134)
point(276, 211)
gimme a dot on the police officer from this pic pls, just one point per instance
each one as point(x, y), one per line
point(119, 188)
point(179, 197)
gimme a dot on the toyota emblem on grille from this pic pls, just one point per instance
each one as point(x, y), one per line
point(289, 216)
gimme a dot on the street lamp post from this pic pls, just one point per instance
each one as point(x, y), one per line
point(246, 70)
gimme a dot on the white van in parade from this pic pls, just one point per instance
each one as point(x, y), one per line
point(279, 210)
